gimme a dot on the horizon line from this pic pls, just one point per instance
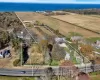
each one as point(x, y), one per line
point(52, 2)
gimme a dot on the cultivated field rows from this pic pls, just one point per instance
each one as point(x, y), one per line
point(86, 21)
point(55, 24)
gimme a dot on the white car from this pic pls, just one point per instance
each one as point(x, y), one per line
point(23, 72)
point(1, 56)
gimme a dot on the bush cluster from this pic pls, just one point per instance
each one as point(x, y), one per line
point(16, 62)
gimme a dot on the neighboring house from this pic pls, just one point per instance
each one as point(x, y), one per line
point(76, 38)
point(62, 45)
point(26, 36)
point(40, 11)
point(23, 35)
point(47, 13)
point(67, 57)
point(96, 44)
point(60, 40)
point(96, 52)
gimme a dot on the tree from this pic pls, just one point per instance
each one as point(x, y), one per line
point(57, 32)
point(16, 62)
point(4, 38)
point(43, 44)
point(37, 23)
point(16, 44)
point(87, 50)
point(30, 25)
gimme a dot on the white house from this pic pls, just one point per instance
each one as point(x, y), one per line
point(60, 40)
point(76, 38)
point(62, 45)
point(97, 44)
point(67, 57)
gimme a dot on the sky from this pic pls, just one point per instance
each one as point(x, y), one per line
point(54, 1)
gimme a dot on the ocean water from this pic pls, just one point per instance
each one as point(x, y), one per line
point(43, 7)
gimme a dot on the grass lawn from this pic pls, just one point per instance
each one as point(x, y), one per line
point(95, 75)
point(55, 63)
point(16, 78)
point(71, 55)
point(98, 50)
point(71, 34)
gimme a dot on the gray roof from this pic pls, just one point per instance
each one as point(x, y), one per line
point(25, 34)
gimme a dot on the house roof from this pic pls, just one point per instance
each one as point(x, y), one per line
point(60, 39)
point(76, 38)
point(83, 76)
point(25, 34)
point(62, 45)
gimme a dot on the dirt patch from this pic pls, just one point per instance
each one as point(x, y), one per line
point(8, 62)
point(35, 55)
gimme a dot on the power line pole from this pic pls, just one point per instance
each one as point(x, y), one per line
point(22, 50)
point(49, 73)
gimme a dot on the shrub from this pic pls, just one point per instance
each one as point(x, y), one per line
point(16, 62)
point(55, 63)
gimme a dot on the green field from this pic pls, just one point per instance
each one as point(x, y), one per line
point(93, 39)
point(16, 78)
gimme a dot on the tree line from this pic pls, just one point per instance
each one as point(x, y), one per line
point(84, 11)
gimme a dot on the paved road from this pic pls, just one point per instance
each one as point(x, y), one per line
point(43, 72)
point(22, 72)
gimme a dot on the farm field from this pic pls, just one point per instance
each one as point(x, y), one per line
point(46, 31)
point(86, 21)
point(55, 24)
point(40, 36)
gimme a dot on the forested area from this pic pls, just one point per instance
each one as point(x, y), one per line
point(8, 23)
point(84, 11)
